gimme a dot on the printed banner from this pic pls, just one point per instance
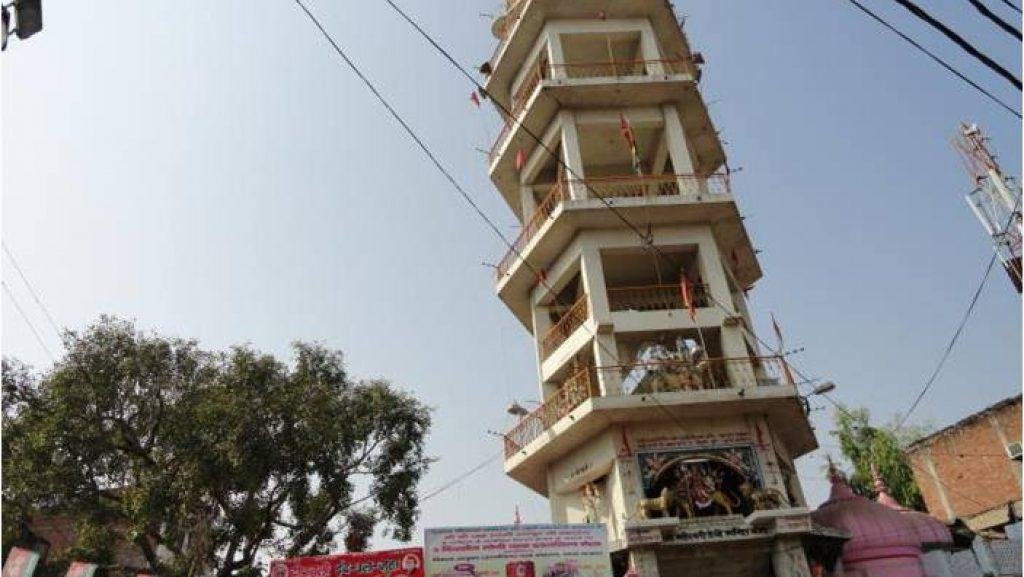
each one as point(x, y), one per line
point(393, 563)
point(518, 551)
point(20, 563)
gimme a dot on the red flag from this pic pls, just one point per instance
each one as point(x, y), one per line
point(627, 132)
point(474, 98)
point(520, 159)
point(688, 298)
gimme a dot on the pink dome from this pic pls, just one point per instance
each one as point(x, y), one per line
point(881, 538)
point(929, 530)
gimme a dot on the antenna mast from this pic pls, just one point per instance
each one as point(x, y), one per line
point(995, 198)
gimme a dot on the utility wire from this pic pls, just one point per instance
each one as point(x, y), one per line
point(461, 477)
point(960, 41)
point(25, 318)
point(995, 19)
point(1012, 6)
point(31, 290)
point(963, 322)
point(931, 55)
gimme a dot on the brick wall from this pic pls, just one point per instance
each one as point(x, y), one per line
point(964, 470)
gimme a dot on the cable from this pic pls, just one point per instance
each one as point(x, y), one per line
point(25, 318)
point(959, 41)
point(959, 330)
point(31, 289)
point(1012, 6)
point(938, 60)
point(461, 477)
point(995, 19)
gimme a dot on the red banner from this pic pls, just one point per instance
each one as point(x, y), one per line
point(394, 563)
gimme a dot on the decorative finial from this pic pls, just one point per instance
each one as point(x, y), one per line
point(834, 474)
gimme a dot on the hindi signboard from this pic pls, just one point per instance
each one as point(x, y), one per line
point(393, 563)
point(518, 551)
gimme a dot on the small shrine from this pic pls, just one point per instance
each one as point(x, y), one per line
point(886, 539)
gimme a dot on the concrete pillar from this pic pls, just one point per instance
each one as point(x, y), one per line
point(649, 51)
point(734, 345)
point(645, 561)
point(529, 203)
point(555, 55)
point(679, 151)
point(571, 155)
point(541, 324)
point(788, 559)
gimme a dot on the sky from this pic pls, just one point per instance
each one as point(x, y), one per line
point(212, 170)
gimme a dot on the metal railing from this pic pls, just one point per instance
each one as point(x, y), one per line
point(558, 193)
point(573, 392)
point(718, 373)
point(538, 72)
point(619, 68)
point(658, 297)
point(571, 320)
point(664, 376)
point(635, 186)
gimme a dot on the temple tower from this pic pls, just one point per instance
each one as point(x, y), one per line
point(659, 414)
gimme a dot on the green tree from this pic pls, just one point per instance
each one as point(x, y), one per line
point(864, 445)
point(207, 461)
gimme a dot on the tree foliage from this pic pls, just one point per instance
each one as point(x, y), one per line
point(864, 445)
point(207, 461)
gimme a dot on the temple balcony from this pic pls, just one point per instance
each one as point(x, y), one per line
point(589, 85)
point(522, 22)
point(673, 199)
point(575, 410)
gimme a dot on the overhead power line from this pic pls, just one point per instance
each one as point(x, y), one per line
point(931, 55)
point(960, 41)
point(32, 290)
point(995, 19)
point(24, 317)
point(1012, 6)
point(960, 327)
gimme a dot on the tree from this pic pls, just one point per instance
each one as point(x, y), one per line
point(207, 461)
point(864, 445)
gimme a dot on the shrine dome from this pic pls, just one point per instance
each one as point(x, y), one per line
point(884, 542)
point(931, 532)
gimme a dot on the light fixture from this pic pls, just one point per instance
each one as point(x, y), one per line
point(824, 388)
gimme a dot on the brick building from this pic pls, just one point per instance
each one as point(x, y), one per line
point(971, 470)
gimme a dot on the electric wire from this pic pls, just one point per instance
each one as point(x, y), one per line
point(31, 289)
point(1012, 6)
point(959, 329)
point(462, 477)
point(995, 19)
point(25, 318)
point(935, 58)
point(960, 41)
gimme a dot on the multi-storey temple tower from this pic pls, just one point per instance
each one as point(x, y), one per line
point(660, 414)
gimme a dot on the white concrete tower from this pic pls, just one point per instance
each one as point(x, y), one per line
point(665, 422)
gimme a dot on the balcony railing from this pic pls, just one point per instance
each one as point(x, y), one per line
point(558, 193)
point(566, 326)
point(659, 297)
point(665, 376)
point(576, 389)
point(676, 374)
point(635, 186)
point(616, 69)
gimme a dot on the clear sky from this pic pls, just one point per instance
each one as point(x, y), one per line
point(211, 170)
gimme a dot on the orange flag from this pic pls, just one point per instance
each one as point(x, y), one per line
point(688, 297)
